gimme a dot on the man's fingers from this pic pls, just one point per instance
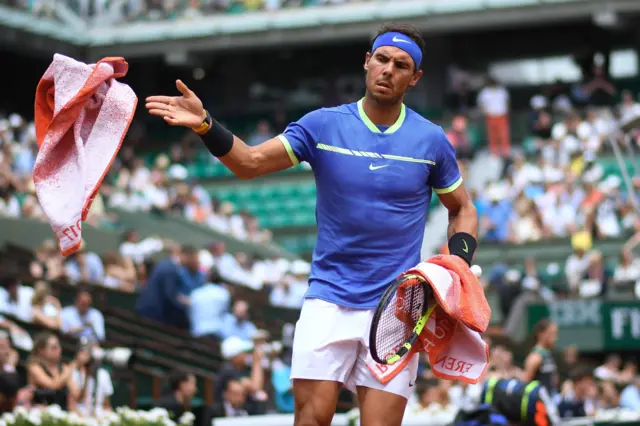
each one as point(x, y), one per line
point(159, 112)
point(159, 105)
point(183, 88)
point(160, 99)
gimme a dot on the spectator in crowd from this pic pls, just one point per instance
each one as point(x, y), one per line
point(15, 298)
point(9, 378)
point(283, 389)
point(139, 250)
point(237, 323)
point(182, 389)
point(84, 265)
point(92, 387)
point(578, 262)
point(540, 364)
point(47, 310)
point(120, 272)
point(162, 299)
point(82, 320)
point(626, 275)
point(234, 400)
point(246, 368)
point(459, 137)
point(570, 360)
point(191, 277)
point(493, 101)
point(434, 403)
point(208, 307)
point(610, 369)
point(630, 396)
point(262, 133)
point(48, 264)
point(290, 290)
point(578, 400)
point(50, 378)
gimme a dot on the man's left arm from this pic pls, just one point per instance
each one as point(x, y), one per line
point(446, 181)
point(463, 216)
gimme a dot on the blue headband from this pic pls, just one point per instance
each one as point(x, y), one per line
point(400, 41)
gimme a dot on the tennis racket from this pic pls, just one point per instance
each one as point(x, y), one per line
point(399, 318)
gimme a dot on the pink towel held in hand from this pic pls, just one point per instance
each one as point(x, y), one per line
point(451, 337)
point(82, 114)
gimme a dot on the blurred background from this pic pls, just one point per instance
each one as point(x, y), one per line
point(187, 288)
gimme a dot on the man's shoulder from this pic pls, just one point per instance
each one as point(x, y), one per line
point(334, 112)
point(415, 119)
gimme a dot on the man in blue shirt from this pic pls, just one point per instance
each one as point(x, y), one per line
point(376, 163)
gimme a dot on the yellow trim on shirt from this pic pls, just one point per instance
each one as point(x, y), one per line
point(287, 146)
point(450, 188)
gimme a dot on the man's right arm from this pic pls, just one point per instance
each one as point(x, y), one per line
point(297, 143)
point(248, 162)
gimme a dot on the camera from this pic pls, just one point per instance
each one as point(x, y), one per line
point(118, 357)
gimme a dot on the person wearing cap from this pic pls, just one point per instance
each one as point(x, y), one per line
point(376, 164)
point(243, 363)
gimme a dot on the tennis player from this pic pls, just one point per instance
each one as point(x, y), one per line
point(376, 163)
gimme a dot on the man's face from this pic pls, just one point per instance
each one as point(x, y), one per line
point(585, 387)
point(191, 261)
point(235, 394)
point(241, 310)
point(390, 72)
point(551, 335)
point(83, 302)
point(189, 387)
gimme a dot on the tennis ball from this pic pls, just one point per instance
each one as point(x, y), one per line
point(477, 271)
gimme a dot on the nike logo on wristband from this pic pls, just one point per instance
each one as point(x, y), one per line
point(466, 247)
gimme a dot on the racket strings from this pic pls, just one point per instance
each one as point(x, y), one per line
point(399, 317)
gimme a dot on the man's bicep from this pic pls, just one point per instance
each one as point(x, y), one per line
point(455, 198)
point(300, 137)
point(273, 156)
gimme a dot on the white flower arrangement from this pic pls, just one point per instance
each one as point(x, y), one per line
point(123, 416)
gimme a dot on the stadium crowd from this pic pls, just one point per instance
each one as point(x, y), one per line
point(551, 186)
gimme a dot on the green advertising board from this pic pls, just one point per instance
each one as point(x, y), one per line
point(592, 325)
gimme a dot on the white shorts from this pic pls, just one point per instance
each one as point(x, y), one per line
point(331, 342)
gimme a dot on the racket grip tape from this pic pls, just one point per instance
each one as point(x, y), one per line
point(463, 245)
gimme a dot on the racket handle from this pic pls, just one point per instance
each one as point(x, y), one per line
point(477, 270)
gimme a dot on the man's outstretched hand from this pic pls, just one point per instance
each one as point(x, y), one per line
point(185, 110)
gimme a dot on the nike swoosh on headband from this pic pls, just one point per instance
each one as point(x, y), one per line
point(400, 40)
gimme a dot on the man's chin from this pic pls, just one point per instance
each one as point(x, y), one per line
point(385, 98)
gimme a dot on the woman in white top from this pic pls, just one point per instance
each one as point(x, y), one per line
point(92, 385)
point(46, 308)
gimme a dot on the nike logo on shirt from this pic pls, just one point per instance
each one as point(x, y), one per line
point(372, 167)
point(400, 40)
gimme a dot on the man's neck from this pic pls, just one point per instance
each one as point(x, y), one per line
point(381, 114)
point(179, 397)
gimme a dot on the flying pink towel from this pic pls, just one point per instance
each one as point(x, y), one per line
point(451, 337)
point(82, 114)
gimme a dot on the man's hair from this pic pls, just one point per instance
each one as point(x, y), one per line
point(176, 378)
point(406, 29)
point(580, 372)
point(188, 249)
